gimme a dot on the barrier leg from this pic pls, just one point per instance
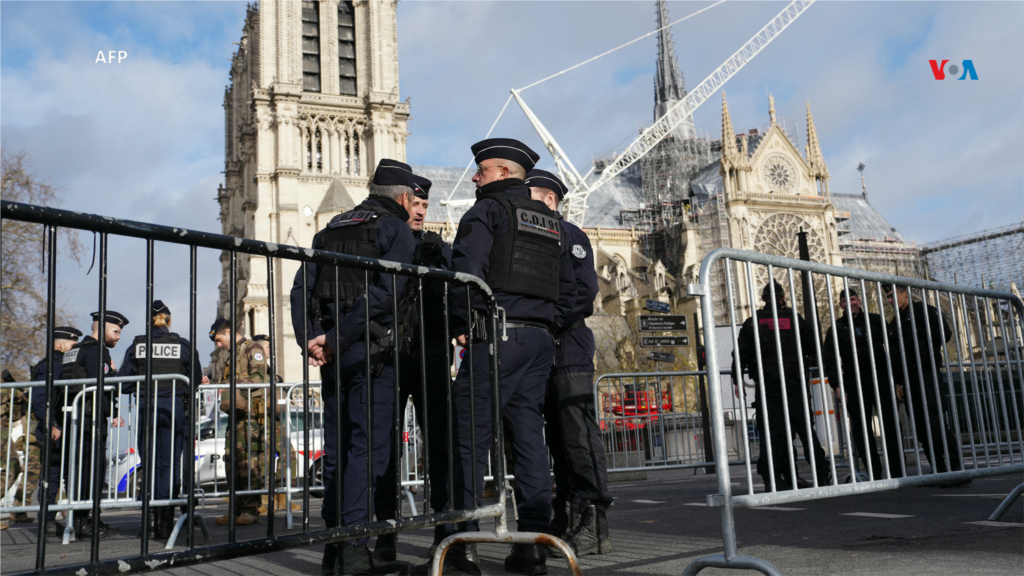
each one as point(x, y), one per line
point(1006, 503)
point(412, 501)
point(737, 563)
point(181, 522)
point(502, 537)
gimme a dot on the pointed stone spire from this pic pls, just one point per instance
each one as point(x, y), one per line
point(771, 108)
point(815, 159)
point(729, 152)
point(669, 85)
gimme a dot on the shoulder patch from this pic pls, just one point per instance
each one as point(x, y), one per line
point(533, 222)
point(579, 251)
point(258, 356)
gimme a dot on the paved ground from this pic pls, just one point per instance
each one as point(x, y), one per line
point(660, 525)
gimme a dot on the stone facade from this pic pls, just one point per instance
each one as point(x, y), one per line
point(313, 104)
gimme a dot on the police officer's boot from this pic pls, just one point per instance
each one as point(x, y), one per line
point(530, 559)
point(560, 521)
point(83, 529)
point(604, 538)
point(330, 556)
point(165, 523)
point(460, 559)
point(353, 559)
point(583, 538)
point(54, 528)
point(149, 524)
point(386, 548)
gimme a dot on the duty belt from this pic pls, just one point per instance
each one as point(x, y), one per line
point(505, 325)
point(581, 323)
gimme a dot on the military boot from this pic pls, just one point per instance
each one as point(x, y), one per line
point(165, 523)
point(83, 529)
point(21, 518)
point(54, 528)
point(604, 537)
point(529, 559)
point(560, 521)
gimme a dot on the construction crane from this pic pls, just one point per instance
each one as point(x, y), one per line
point(575, 205)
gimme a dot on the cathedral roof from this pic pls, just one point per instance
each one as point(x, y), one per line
point(336, 199)
point(865, 223)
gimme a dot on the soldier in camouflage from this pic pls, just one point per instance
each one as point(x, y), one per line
point(14, 409)
point(281, 499)
point(250, 415)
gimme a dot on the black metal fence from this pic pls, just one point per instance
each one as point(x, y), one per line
point(231, 247)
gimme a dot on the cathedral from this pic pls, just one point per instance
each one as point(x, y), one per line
point(313, 103)
point(311, 106)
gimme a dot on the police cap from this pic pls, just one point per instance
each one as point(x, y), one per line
point(780, 293)
point(843, 293)
point(160, 308)
point(217, 324)
point(112, 318)
point(545, 179)
point(505, 149)
point(67, 333)
point(393, 173)
point(421, 187)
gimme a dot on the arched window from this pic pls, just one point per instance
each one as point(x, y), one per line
point(346, 49)
point(311, 46)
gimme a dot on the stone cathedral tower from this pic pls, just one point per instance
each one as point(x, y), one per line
point(313, 104)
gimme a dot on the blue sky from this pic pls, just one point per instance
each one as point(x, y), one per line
point(143, 139)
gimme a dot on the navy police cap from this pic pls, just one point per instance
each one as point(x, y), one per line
point(545, 179)
point(216, 326)
point(112, 318)
point(67, 333)
point(160, 308)
point(421, 187)
point(505, 149)
point(393, 173)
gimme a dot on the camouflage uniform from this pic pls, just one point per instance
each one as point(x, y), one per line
point(250, 439)
point(32, 470)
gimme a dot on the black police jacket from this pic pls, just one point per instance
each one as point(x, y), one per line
point(130, 366)
point(484, 223)
point(575, 350)
point(773, 371)
point(84, 361)
point(394, 243)
point(846, 362)
point(939, 336)
point(39, 394)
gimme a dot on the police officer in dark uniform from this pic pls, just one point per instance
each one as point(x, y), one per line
point(84, 360)
point(514, 244)
point(431, 251)
point(172, 354)
point(774, 413)
point(573, 435)
point(851, 368)
point(376, 228)
point(64, 337)
point(929, 410)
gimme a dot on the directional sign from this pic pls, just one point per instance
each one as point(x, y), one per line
point(657, 306)
point(672, 323)
point(662, 356)
point(652, 341)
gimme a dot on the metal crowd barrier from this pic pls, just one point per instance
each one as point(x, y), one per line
point(967, 391)
point(645, 421)
point(230, 248)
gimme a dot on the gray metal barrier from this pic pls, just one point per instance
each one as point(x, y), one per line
point(949, 356)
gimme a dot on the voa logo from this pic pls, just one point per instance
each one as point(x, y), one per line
point(940, 70)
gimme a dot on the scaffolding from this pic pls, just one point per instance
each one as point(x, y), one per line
point(987, 259)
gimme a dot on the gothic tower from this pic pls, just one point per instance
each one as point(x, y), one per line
point(312, 105)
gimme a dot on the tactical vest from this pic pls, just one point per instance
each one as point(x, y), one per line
point(526, 260)
point(73, 368)
point(167, 358)
point(354, 233)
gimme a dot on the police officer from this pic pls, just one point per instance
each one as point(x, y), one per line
point(431, 251)
point(774, 412)
point(514, 243)
point(172, 354)
point(928, 409)
point(376, 228)
point(250, 420)
point(64, 337)
point(861, 369)
point(84, 360)
point(14, 407)
point(574, 439)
